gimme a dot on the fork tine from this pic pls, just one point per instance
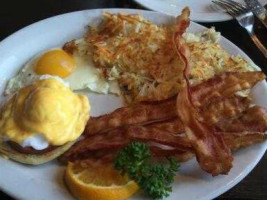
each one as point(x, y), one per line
point(238, 4)
point(234, 6)
point(225, 7)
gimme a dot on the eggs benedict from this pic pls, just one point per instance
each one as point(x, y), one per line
point(41, 121)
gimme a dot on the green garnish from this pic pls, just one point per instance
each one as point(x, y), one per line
point(153, 178)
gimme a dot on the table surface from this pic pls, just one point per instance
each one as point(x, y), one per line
point(14, 15)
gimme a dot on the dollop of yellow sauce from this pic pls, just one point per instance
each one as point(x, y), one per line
point(46, 107)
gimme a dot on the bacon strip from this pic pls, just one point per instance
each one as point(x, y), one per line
point(105, 143)
point(144, 113)
point(212, 113)
point(224, 85)
point(212, 153)
point(247, 133)
point(151, 134)
point(97, 146)
point(120, 137)
point(224, 109)
point(106, 159)
point(82, 150)
point(181, 156)
point(107, 156)
point(173, 125)
point(112, 140)
point(215, 113)
point(253, 119)
point(135, 114)
point(236, 140)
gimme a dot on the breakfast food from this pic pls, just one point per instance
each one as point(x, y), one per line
point(213, 155)
point(187, 97)
point(141, 113)
point(134, 114)
point(236, 111)
point(41, 121)
point(203, 125)
point(77, 70)
point(141, 57)
point(88, 182)
point(138, 54)
point(208, 58)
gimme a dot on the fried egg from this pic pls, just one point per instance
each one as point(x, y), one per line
point(76, 69)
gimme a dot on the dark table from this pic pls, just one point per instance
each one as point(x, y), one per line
point(14, 15)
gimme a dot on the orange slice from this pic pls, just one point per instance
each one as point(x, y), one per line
point(87, 182)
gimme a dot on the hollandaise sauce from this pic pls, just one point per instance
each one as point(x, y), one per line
point(46, 109)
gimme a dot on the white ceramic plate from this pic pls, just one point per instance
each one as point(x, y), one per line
point(202, 10)
point(45, 182)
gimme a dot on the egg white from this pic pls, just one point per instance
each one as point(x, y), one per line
point(37, 142)
point(85, 76)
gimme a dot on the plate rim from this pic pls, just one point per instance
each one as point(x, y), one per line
point(212, 195)
point(224, 17)
point(197, 17)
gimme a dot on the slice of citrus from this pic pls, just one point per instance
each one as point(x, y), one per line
point(87, 182)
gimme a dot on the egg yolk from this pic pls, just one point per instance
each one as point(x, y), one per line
point(46, 107)
point(55, 62)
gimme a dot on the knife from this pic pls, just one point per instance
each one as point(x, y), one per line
point(258, 10)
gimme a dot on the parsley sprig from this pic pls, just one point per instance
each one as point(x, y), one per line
point(153, 178)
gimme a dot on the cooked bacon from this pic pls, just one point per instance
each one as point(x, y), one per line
point(106, 159)
point(224, 109)
point(213, 113)
point(168, 133)
point(151, 134)
point(253, 119)
point(236, 140)
point(173, 125)
point(145, 113)
point(100, 154)
point(181, 24)
point(105, 156)
point(70, 47)
point(140, 113)
point(120, 137)
point(246, 126)
point(224, 85)
point(181, 156)
point(212, 153)
point(112, 140)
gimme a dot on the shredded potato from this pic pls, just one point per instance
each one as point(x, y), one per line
point(208, 58)
point(140, 56)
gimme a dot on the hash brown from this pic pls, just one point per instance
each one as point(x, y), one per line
point(141, 57)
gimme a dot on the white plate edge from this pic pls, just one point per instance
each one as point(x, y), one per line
point(218, 192)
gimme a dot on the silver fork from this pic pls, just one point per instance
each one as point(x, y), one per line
point(244, 17)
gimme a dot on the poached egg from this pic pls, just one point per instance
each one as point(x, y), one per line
point(44, 113)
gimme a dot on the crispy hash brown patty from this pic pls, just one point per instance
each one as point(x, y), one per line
point(141, 57)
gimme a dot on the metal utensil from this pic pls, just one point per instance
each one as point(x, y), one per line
point(244, 17)
point(258, 10)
